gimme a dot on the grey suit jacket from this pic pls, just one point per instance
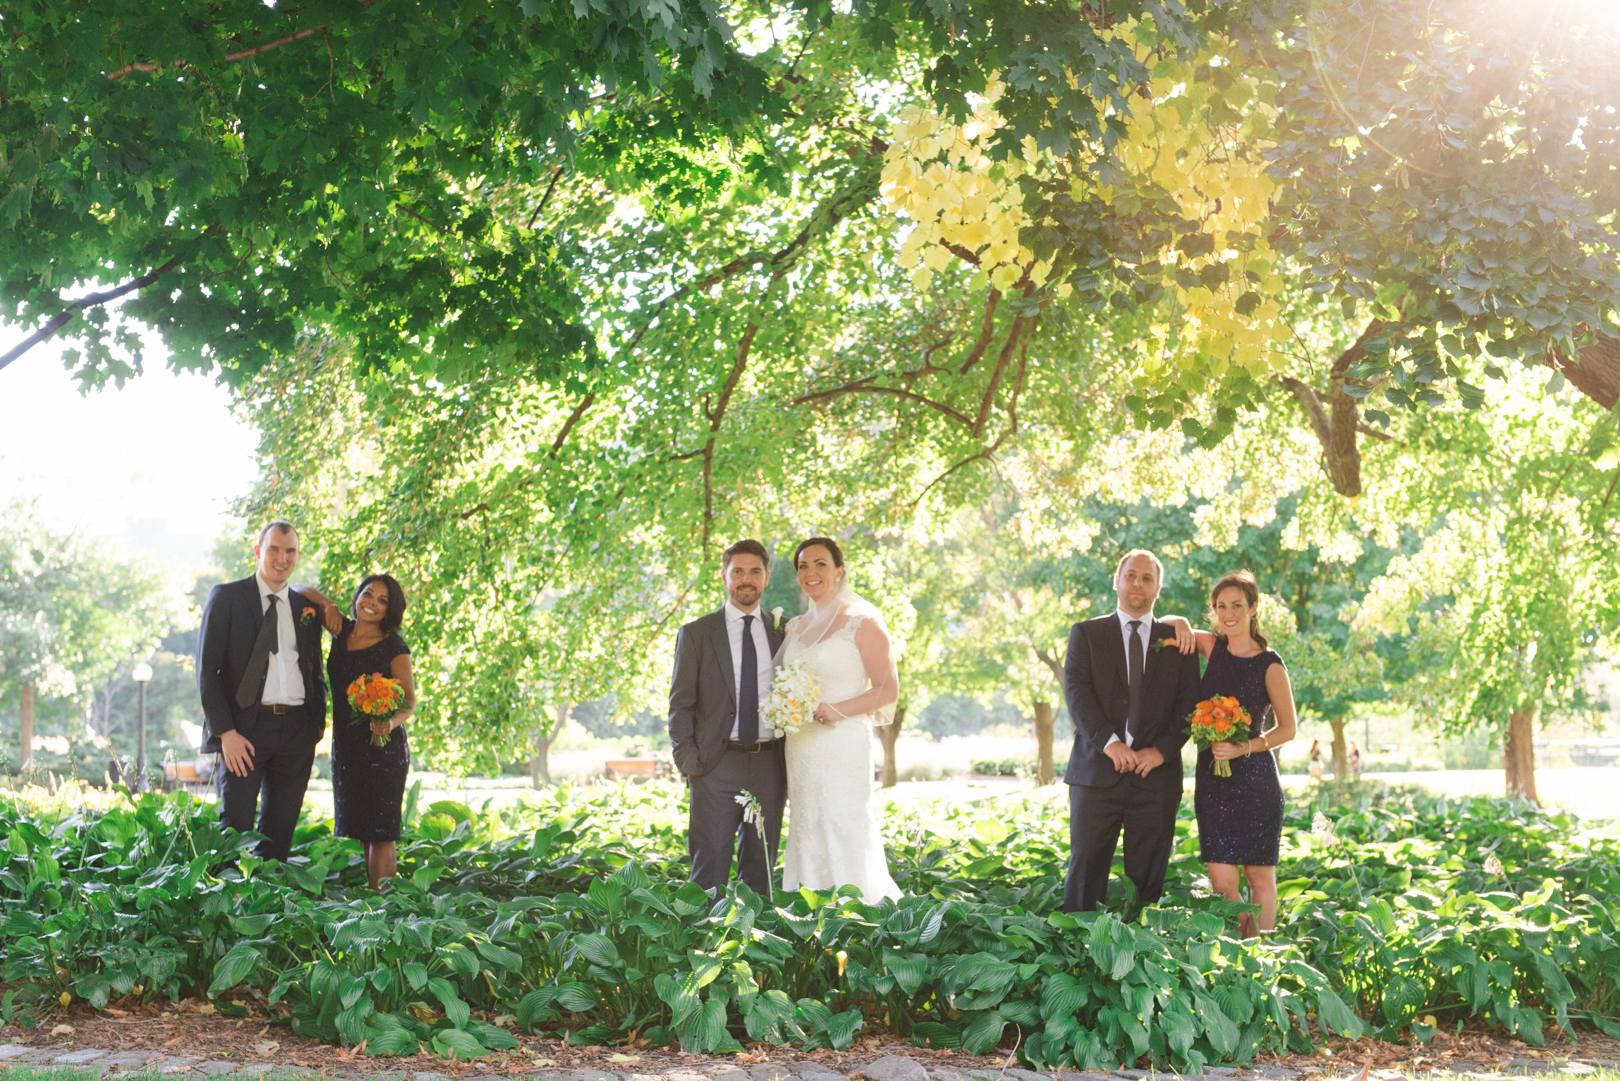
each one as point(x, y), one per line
point(702, 693)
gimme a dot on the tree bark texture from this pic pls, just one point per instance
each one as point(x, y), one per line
point(27, 724)
point(1341, 751)
point(1596, 373)
point(1336, 424)
point(540, 764)
point(1045, 719)
point(888, 735)
point(1519, 755)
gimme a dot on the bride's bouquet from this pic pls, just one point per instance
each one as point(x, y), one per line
point(793, 698)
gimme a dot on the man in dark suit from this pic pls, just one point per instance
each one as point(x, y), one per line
point(1129, 703)
point(263, 687)
point(722, 744)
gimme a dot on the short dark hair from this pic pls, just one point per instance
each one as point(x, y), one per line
point(277, 526)
point(748, 546)
point(395, 615)
point(827, 543)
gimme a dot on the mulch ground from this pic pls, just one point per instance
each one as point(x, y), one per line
point(191, 1028)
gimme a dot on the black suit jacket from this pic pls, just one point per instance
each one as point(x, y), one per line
point(230, 624)
point(1097, 686)
point(703, 693)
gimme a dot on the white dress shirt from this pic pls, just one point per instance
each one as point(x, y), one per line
point(283, 683)
point(1125, 632)
point(762, 654)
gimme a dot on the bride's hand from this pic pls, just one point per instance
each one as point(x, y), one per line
point(827, 715)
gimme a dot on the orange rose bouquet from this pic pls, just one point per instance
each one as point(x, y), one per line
point(376, 698)
point(1219, 720)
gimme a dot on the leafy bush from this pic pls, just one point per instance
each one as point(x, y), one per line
point(572, 916)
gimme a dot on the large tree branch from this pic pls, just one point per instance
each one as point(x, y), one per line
point(1014, 334)
point(716, 416)
point(1596, 373)
point(985, 453)
point(1337, 425)
point(80, 305)
point(860, 386)
point(987, 330)
point(244, 54)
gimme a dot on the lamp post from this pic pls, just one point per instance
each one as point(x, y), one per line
point(142, 676)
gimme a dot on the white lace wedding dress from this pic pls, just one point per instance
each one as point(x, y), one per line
point(833, 837)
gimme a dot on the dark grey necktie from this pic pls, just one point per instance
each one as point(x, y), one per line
point(748, 687)
point(1135, 660)
point(268, 642)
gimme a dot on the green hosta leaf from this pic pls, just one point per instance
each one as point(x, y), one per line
point(1403, 997)
point(415, 974)
point(532, 1005)
point(983, 1032)
point(492, 1037)
point(456, 1010)
point(510, 960)
point(841, 1029)
point(253, 926)
point(1061, 996)
point(454, 1043)
point(576, 997)
point(233, 968)
point(393, 1042)
point(598, 949)
point(909, 971)
point(350, 990)
point(464, 961)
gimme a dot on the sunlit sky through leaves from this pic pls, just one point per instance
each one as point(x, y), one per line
point(154, 465)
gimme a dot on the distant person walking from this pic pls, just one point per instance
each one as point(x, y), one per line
point(1354, 758)
point(263, 692)
point(368, 781)
point(1316, 760)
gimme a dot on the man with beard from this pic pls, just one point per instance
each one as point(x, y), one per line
point(722, 744)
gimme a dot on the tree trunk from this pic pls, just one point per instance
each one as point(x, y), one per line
point(888, 735)
point(1045, 718)
point(1336, 424)
point(1519, 755)
point(1341, 752)
point(27, 723)
point(540, 764)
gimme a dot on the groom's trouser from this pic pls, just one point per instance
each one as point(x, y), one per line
point(283, 755)
point(1147, 814)
point(716, 831)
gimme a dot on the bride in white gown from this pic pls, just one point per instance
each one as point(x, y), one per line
point(833, 837)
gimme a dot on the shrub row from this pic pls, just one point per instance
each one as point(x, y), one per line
point(571, 917)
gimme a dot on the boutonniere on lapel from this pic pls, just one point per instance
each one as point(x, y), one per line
point(307, 616)
point(776, 614)
point(1162, 643)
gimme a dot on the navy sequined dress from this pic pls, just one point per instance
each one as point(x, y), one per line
point(1240, 817)
point(368, 783)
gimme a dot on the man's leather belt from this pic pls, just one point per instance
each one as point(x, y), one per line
point(279, 708)
point(750, 748)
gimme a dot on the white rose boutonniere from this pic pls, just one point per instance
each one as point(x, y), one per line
point(776, 614)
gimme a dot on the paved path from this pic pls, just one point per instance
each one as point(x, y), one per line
point(91, 1063)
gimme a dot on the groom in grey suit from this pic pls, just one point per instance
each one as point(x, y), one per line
point(721, 742)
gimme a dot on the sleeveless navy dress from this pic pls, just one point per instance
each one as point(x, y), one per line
point(1239, 817)
point(368, 783)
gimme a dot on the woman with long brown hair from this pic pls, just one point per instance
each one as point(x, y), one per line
point(1240, 816)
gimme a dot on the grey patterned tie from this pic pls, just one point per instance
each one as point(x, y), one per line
point(1135, 659)
point(268, 642)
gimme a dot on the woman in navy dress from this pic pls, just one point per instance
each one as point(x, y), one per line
point(1240, 817)
point(368, 782)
